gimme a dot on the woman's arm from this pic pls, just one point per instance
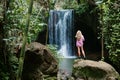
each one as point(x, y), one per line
point(83, 38)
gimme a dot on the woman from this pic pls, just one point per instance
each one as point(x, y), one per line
point(79, 43)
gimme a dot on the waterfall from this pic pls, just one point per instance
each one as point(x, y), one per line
point(61, 31)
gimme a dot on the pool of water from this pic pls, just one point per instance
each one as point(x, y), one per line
point(66, 64)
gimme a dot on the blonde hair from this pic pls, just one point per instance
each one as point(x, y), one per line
point(78, 34)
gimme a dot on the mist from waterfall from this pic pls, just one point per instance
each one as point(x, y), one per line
point(61, 31)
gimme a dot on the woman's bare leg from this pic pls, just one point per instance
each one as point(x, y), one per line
point(79, 51)
point(83, 52)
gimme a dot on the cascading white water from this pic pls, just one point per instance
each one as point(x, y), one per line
point(61, 31)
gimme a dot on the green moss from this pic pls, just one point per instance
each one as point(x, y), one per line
point(91, 72)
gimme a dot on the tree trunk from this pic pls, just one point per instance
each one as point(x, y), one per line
point(22, 54)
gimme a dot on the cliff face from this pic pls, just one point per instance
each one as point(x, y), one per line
point(88, 23)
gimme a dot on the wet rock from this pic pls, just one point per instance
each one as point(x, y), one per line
point(63, 75)
point(38, 62)
point(94, 70)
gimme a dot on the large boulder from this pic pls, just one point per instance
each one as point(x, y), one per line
point(94, 70)
point(38, 62)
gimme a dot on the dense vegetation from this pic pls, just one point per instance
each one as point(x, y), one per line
point(13, 22)
point(111, 30)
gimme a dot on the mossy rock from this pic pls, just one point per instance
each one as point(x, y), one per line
point(94, 69)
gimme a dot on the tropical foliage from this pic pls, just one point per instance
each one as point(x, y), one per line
point(15, 15)
point(111, 29)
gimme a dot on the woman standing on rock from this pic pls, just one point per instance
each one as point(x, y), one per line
point(79, 43)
